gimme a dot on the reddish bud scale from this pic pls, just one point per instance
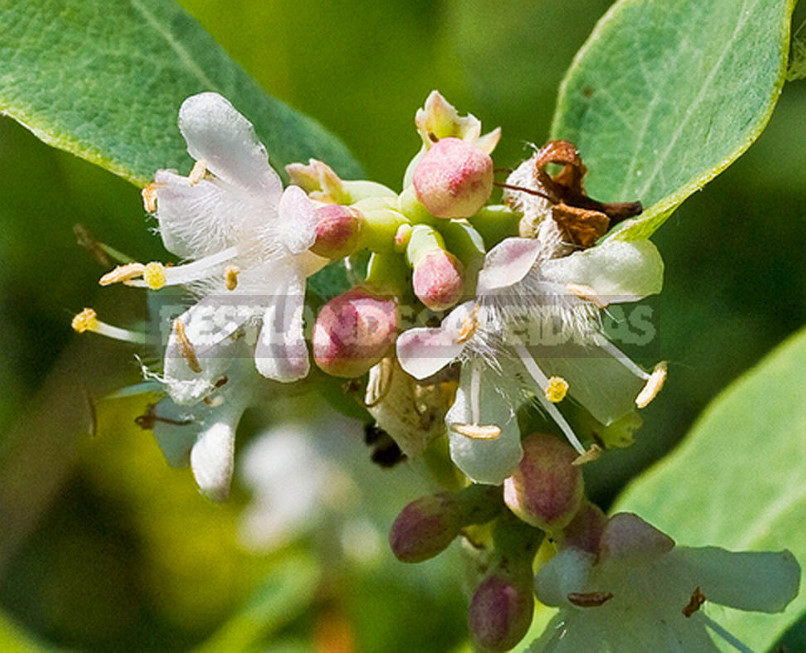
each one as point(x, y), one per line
point(438, 280)
point(546, 489)
point(454, 179)
point(425, 528)
point(337, 230)
point(353, 332)
point(500, 612)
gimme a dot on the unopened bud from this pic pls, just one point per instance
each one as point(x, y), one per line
point(545, 489)
point(454, 179)
point(425, 527)
point(353, 331)
point(438, 280)
point(500, 611)
point(585, 530)
point(337, 229)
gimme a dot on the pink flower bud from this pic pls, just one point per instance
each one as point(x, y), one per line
point(546, 489)
point(501, 611)
point(425, 528)
point(438, 280)
point(585, 530)
point(353, 332)
point(337, 229)
point(454, 179)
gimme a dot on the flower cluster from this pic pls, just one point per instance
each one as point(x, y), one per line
point(464, 326)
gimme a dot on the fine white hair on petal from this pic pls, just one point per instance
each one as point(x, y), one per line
point(281, 353)
point(508, 263)
point(226, 141)
point(296, 220)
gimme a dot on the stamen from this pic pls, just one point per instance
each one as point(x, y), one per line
point(154, 275)
point(122, 273)
point(621, 357)
point(198, 172)
point(556, 389)
point(586, 293)
point(724, 634)
point(477, 431)
point(694, 604)
point(231, 273)
point(588, 457)
point(653, 386)
point(149, 194)
point(542, 381)
point(475, 394)
point(589, 599)
point(179, 274)
point(469, 326)
point(186, 347)
point(87, 320)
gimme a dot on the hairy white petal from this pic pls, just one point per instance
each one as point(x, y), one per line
point(297, 220)
point(226, 141)
point(616, 270)
point(507, 263)
point(212, 459)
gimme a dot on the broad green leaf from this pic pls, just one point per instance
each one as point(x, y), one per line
point(665, 94)
point(738, 480)
point(104, 79)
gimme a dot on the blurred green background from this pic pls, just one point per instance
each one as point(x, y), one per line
point(102, 547)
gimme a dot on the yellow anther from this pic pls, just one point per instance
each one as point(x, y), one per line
point(469, 326)
point(477, 431)
point(154, 275)
point(653, 386)
point(198, 172)
point(586, 293)
point(231, 273)
point(149, 194)
point(556, 389)
point(122, 273)
point(186, 347)
point(86, 320)
point(589, 456)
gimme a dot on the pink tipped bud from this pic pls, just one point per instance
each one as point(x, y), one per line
point(425, 528)
point(585, 530)
point(337, 229)
point(500, 612)
point(454, 179)
point(438, 280)
point(353, 332)
point(546, 489)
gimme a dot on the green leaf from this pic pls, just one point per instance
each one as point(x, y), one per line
point(104, 79)
point(738, 479)
point(665, 94)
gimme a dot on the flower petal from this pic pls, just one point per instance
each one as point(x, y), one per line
point(175, 432)
point(618, 271)
point(758, 581)
point(604, 386)
point(487, 461)
point(281, 353)
point(217, 134)
point(193, 219)
point(507, 263)
point(212, 458)
point(209, 327)
point(296, 220)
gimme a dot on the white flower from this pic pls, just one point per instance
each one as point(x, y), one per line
point(640, 592)
point(203, 435)
point(537, 315)
point(246, 241)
